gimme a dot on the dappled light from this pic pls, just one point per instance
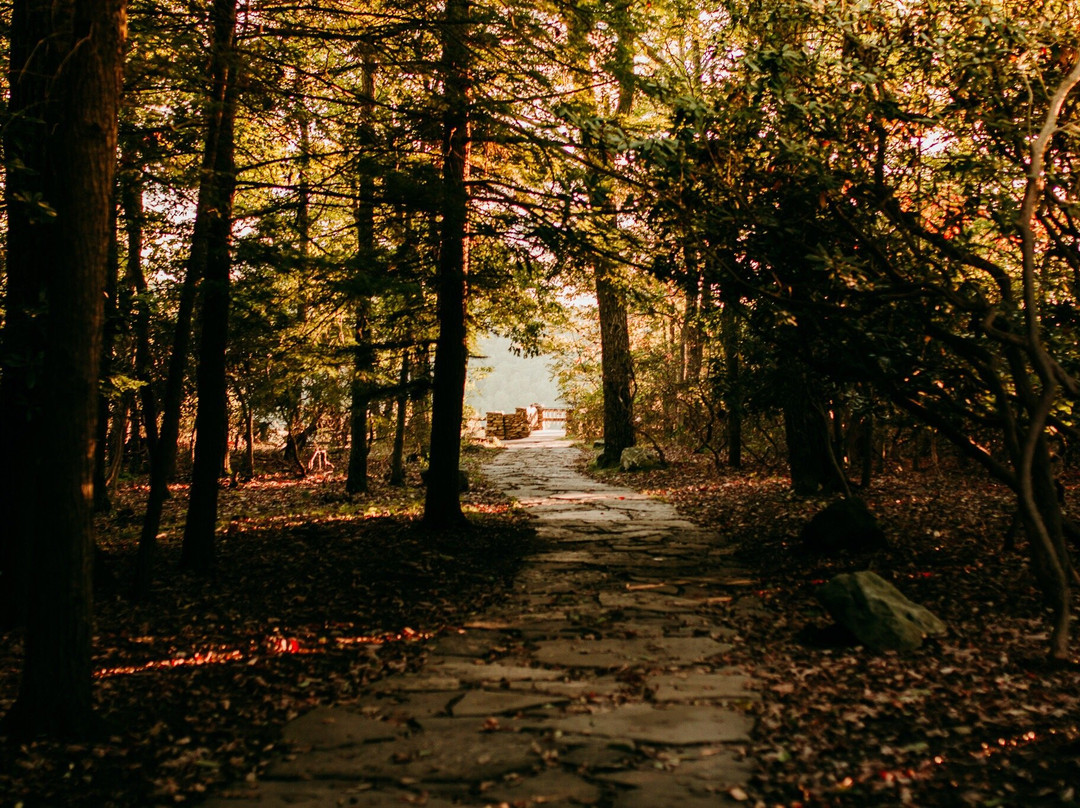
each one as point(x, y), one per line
point(722, 361)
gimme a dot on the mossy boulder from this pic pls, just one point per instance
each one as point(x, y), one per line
point(877, 613)
point(638, 458)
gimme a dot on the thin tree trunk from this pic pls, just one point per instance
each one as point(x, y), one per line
point(397, 458)
point(219, 183)
point(248, 468)
point(102, 501)
point(364, 354)
point(131, 200)
point(733, 387)
point(442, 503)
point(360, 390)
point(65, 73)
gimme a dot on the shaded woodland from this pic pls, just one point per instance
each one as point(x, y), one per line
point(252, 244)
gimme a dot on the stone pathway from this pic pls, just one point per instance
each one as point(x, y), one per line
point(598, 682)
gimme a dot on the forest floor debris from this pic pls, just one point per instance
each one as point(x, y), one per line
point(315, 595)
point(978, 717)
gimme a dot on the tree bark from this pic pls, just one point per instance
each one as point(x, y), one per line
point(364, 354)
point(733, 404)
point(102, 500)
point(617, 370)
point(397, 457)
point(219, 184)
point(360, 391)
point(808, 445)
point(442, 503)
point(60, 152)
point(131, 200)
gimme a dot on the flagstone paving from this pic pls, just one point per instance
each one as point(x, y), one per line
point(599, 681)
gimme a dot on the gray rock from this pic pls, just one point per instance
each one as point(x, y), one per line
point(638, 458)
point(844, 526)
point(877, 613)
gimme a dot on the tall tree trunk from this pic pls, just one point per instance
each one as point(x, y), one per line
point(102, 501)
point(617, 370)
point(733, 405)
point(442, 503)
point(131, 200)
point(60, 145)
point(360, 391)
point(811, 458)
point(219, 184)
point(364, 353)
point(397, 457)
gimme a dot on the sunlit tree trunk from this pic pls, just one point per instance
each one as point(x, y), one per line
point(442, 504)
point(219, 183)
point(60, 154)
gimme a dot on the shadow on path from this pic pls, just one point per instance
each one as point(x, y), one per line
point(599, 681)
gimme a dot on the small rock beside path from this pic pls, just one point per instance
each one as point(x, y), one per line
point(600, 680)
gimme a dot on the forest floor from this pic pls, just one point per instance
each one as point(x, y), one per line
point(318, 594)
point(976, 718)
point(315, 595)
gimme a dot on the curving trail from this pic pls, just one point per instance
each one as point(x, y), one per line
point(599, 681)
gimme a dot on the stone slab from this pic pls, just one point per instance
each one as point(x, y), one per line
point(584, 689)
point(616, 653)
point(682, 725)
point(481, 703)
point(469, 644)
point(292, 794)
point(401, 707)
point(597, 756)
point(332, 727)
point(665, 792)
point(495, 672)
point(693, 686)
point(552, 786)
point(447, 754)
point(646, 602)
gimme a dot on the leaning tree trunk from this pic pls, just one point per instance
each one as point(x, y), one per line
point(442, 503)
point(60, 152)
point(219, 183)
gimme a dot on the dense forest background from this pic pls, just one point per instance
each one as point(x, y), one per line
point(834, 236)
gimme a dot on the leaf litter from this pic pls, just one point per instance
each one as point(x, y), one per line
point(979, 717)
point(315, 595)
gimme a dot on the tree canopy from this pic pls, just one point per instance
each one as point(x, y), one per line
point(792, 224)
